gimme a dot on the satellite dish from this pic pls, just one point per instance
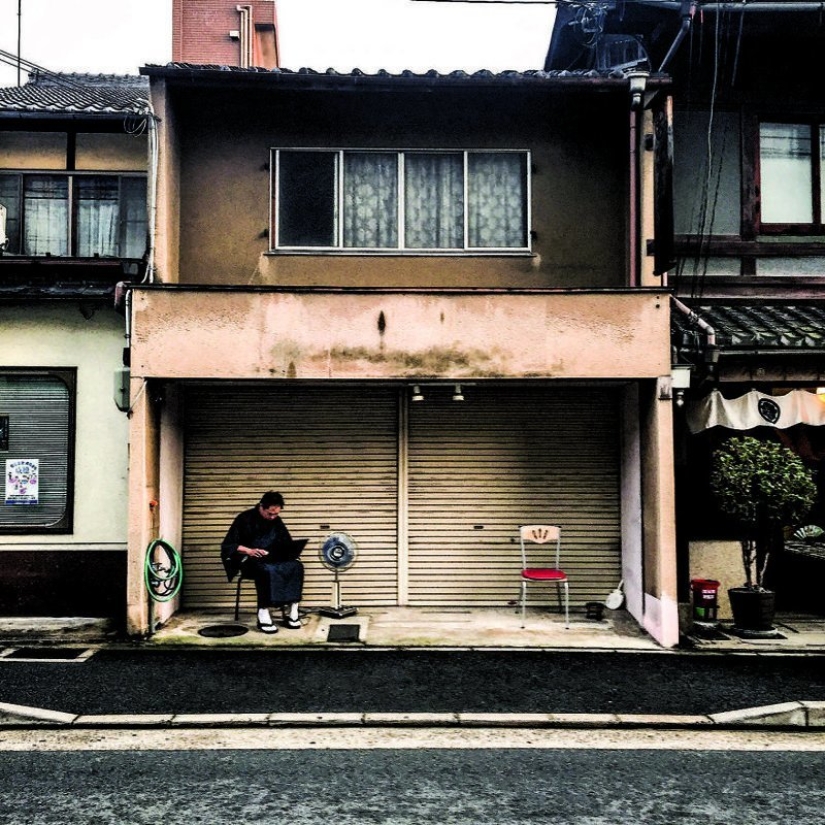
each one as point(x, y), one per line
point(338, 553)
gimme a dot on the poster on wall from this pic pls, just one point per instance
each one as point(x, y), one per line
point(22, 480)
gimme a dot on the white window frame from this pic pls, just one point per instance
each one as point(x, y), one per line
point(401, 249)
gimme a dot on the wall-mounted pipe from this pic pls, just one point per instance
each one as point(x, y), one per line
point(688, 10)
point(695, 318)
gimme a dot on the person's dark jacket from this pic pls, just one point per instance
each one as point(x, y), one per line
point(251, 529)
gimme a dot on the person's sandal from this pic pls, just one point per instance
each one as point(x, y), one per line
point(292, 624)
point(267, 627)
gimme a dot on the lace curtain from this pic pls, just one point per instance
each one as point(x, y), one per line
point(496, 198)
point(371, 200)
point(434, 201)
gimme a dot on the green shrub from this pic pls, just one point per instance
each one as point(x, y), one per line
point(763, 487)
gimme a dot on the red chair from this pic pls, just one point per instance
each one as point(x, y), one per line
point(537, 534)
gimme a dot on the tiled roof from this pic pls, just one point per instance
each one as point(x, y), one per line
point(760, 328)
point(407, 77)
point(92, 94)
point(432, 73)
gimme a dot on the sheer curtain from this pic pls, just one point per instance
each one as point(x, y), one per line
point(496, 196)
point(434, 201)
point(46, 211)
point(97, 216)
point(371, 200)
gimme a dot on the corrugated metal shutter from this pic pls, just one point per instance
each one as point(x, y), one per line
point(332, 453)
point(481, 468)
point(39, 410)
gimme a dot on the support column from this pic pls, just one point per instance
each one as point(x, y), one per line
point(660, 600)
point(143, 443)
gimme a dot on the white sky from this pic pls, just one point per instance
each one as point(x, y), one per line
point(118, 36)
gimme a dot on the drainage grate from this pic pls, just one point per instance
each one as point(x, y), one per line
point(344, 633)
point(48, 654)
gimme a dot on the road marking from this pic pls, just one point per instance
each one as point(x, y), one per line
point(46, 655)
point(393, 738)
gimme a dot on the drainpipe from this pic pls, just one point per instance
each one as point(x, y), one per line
point(152, 194)
point(688, 10)
point(638, 83)
point(712, 352)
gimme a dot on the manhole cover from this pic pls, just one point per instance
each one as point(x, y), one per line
point(223, 631)
point(344, 633)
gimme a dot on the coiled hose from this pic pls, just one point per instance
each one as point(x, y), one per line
point(163, 571)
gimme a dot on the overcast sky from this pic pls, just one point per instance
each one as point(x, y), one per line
point(118, 36)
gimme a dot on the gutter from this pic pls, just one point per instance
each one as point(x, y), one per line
point(797, 6)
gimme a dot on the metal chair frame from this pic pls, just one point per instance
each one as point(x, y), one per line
point(241, 580)
point(543, 534)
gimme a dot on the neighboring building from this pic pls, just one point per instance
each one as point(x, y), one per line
point(73, 225)
point(225, 33)
point(330, 248)
point(749, 156)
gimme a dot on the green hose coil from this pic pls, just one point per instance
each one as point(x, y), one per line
point(163, 571)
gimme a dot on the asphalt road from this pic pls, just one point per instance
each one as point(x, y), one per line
point(450, 787)
point(356, 680)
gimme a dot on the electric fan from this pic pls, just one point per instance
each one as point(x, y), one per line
point(338, 553)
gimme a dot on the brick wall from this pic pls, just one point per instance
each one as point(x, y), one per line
point(200, 32)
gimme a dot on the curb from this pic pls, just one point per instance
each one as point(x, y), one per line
point(796, 715)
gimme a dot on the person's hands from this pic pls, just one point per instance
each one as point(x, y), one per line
point(255, 552)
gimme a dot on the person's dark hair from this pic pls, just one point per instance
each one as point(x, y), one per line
point(272, 499)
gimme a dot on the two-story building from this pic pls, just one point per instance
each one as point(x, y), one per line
point(418, 306)
point(73, 225)
point(750, 237)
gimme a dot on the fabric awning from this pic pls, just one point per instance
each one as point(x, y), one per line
point(755, 409)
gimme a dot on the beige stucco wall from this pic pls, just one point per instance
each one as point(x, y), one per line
point(721, 561)
point(60, 336)
point(223, 139)
point(329, 335)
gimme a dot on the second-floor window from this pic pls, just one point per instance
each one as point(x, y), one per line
point(413, 200)
point(74, 215)
point(791, 157)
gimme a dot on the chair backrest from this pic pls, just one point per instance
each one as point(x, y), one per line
point(539, 534)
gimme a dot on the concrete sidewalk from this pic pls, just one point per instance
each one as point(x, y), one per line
point(435, 627)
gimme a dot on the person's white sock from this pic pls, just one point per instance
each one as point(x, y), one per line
point(293, 611)
point(263, 616)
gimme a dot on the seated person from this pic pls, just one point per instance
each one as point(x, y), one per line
point(258, 544)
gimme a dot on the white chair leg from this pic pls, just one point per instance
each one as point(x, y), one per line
point(523, 601)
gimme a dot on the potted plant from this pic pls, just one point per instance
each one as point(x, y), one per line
point(763, 487)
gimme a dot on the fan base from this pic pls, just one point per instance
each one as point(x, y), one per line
point(337, 612)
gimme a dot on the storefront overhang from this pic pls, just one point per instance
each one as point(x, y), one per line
point(750, 342)
point(179, 333)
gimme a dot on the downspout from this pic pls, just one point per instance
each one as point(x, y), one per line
point(688, 10)
point(697, 320)
point(152, 205)
point(638, 83)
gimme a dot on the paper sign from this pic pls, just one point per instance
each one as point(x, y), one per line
point(22, 480)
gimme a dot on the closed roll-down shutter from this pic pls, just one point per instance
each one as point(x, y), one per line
point(476, 471)
point(481, 468)
point(333, 456)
